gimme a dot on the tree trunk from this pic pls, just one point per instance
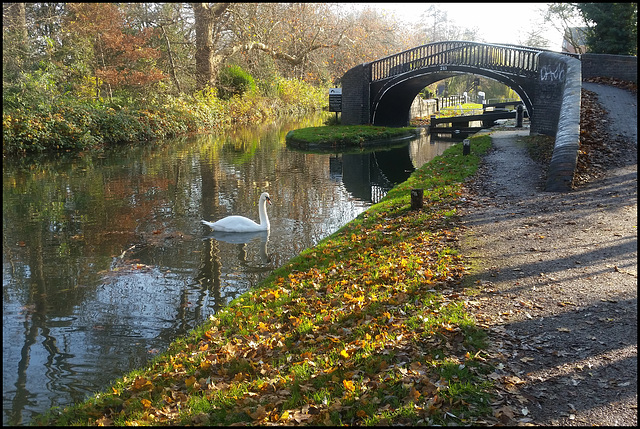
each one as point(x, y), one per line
point(172, 66)
point(206, 59)
point(104, 67)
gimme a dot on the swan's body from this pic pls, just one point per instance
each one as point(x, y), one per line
point(241, 223)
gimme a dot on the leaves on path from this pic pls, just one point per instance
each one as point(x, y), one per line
point(598, 149)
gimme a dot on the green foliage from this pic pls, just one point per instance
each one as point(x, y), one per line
point(34, 90)
point(69, 129)
point(301, 96)
point(75, 125)
point(264, 70)
point(37, 117)
point(460, 110)
point(333, 119)
point(615, 30)
point(234, 80)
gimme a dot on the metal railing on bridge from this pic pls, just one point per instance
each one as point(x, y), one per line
point(518, 60)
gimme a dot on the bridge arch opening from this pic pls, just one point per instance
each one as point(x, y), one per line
point(391, 99)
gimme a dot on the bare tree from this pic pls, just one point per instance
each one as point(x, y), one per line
point(14, 37)
point(288, 33)
point(534, 38)
point(564, 17)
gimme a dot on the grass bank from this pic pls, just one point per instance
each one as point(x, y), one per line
point(344, 136)
point(449, 111)
point(368, 327)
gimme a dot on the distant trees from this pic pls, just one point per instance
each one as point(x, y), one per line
point(14, 38)
point(371, 36)
point(564, 17)
point(289, 34)
point(437, 27)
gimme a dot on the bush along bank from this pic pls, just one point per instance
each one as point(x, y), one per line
point(367, 327)
point(55, 124)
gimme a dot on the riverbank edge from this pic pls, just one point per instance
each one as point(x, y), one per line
point(136, 397)
point(377, 146)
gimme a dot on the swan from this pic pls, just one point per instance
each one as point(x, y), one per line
point(241, 223)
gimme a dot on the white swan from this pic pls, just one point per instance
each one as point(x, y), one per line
point(241, 223)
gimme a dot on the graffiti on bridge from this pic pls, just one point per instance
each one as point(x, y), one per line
point(547, 73)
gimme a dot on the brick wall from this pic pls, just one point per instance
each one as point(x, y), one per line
point(621, 67)
point(355, 96)
point(547, 98)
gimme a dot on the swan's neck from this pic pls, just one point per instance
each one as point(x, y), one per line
point(264, 219)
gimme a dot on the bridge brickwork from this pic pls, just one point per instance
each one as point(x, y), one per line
point(561, 113)
point(355, 95)
point(548, 88)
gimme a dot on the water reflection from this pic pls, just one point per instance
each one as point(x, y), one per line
point(368, 174)
point(105, 260)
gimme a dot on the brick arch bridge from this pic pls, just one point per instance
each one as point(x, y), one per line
point(381, 92)
point(549, 84)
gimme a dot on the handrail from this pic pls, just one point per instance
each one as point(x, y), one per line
point(502, 58)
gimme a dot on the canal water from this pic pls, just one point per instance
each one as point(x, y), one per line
point(105, 261)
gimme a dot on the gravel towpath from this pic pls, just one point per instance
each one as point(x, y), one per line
point(556, 275)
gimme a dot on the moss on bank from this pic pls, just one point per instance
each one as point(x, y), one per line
point(367, 328)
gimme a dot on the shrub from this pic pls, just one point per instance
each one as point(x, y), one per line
point(301, 96)
point(234, 80)
point(35, 119)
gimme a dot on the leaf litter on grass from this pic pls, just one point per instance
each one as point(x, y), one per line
point(368, 327)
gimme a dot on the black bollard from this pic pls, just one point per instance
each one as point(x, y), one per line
point(519, 115)
point(466, 147)
point(417, 196)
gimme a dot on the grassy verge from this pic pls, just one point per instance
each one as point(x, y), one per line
point(332, 136)
point(446, 112)
point(460, 110)
point(368, 327)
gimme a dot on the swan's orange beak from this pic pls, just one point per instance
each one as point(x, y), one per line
point(269, 200)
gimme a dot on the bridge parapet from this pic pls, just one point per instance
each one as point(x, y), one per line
point(517, 60)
